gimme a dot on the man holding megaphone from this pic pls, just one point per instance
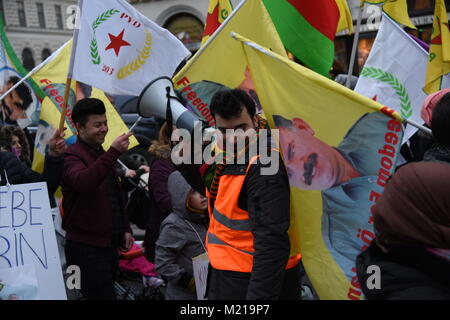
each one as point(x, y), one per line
point(93, 202)
point(247, 241)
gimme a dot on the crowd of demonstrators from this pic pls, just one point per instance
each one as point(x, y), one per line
point(238, 215)
point(160, 205)
point(182, 237)
point(93, 202)
point(412, 220)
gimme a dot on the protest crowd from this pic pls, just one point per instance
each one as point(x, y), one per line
point(355, 205)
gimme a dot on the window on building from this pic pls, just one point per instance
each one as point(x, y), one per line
point(21, 12)
point(27, 59)
point(46, 53)
point(59, 17)
point(186, 28)
point(41, 15)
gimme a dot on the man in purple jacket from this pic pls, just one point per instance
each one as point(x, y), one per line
point(94, 205)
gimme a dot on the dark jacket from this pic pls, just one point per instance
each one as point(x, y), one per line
point(160, 170)
point(407, 273)
point(419, 144)
point(87, 199)
point(18, 173)
point(178, 242)
point(267, 199)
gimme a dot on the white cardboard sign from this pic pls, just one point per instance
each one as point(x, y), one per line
point(200, 265)
point(27, 237)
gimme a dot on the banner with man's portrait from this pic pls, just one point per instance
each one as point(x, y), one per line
point(20, 106)
point(339, 149)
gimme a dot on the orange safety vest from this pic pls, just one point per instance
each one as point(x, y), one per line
point(229, 241)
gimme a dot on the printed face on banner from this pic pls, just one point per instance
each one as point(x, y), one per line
point(351, 176)
point(19, 105)
point(311, 164)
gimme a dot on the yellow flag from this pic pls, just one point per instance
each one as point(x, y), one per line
point(339, 151)
point(52, 78)
point(222, 60)
point(218, 11)
point(439, 57)
point(345, 19)
point(395, 9)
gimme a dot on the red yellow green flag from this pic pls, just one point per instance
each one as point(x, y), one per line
point(221, 60)
point(218, 11)
point(307, 29)
point(439, 57)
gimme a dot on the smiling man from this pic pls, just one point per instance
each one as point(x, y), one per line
point(93, 202)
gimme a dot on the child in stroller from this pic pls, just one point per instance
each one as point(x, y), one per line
point(137, 279)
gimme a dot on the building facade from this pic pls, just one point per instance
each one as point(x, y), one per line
point(184, 18)
point(36, 28)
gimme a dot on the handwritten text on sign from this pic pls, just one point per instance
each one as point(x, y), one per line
point(27, 236)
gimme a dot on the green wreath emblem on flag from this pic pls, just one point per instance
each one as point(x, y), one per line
point(139, 61)
point(95, 55)
point(383, 76)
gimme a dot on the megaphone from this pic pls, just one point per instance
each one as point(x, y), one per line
point(159, 99)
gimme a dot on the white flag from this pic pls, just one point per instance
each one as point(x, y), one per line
point(119, 51)
point(394, 73)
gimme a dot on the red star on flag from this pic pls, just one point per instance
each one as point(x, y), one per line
point(117, 42)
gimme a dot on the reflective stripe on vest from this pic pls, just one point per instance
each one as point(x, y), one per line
point(230, 240)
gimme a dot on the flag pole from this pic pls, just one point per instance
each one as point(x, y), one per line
point(135, 124)
point(355, 45)
point(62, 119)
point(418, 126)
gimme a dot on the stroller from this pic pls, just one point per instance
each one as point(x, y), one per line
point(136, 278)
